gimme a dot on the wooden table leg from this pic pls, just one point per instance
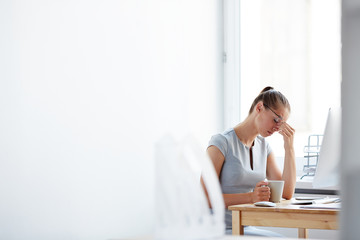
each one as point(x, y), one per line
point(237, 228)
point(303, 233)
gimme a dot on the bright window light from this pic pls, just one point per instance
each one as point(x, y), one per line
point(293, 46)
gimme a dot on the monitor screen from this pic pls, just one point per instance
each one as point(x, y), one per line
point(327, 170)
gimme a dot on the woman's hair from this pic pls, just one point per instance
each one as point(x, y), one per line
point(271, 98)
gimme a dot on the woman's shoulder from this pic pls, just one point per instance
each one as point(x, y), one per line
point(223, 140)
point(229, 133)
point(224, 137)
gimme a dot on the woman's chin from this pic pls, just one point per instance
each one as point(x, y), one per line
point(264, 135)
point(268, 134)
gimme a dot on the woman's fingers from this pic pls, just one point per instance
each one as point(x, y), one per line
point(261, 192)
point(286, 130)
point(288, 134)
point(264, 189)
point(261, 184)
point(286, 127)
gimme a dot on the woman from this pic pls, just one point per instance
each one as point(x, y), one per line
point(243, 159)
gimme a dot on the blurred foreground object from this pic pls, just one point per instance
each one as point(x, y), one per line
point(181, 206)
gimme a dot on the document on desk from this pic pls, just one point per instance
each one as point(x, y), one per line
point(325, 200)
point(323, 206)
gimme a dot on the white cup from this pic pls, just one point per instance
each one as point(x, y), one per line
point(276, 189)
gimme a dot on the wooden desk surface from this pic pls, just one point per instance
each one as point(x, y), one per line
point(284, 206)
point(224, 237)
point(284, 214)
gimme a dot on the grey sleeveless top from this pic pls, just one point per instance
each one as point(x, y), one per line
point(236, 175)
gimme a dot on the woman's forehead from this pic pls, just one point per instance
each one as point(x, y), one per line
point(283, 112)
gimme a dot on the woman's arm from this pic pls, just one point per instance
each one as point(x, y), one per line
point(289, 171)
point(260, 193)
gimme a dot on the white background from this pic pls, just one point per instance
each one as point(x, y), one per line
point(86, 89)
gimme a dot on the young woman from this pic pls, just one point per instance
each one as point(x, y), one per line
point(243, 158)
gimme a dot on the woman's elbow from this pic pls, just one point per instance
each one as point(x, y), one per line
point(288, 195)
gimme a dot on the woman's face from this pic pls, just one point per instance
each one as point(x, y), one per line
point(271, 119)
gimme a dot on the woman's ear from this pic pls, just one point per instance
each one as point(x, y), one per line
point(259, 106)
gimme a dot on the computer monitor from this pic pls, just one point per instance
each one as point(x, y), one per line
point(327, 170)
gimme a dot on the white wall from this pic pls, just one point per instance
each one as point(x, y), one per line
point(86, 89)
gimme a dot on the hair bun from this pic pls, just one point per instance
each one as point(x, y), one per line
point(268, 88)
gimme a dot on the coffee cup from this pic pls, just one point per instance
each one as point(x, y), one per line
point(276, 190)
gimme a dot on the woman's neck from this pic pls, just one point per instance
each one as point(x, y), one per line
point(246, 131)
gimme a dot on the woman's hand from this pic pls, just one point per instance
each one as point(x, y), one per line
point(289, 172)
point(288, 134)
point(261, 192)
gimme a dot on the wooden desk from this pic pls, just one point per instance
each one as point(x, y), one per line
point(283, 215)
point(225, 237)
